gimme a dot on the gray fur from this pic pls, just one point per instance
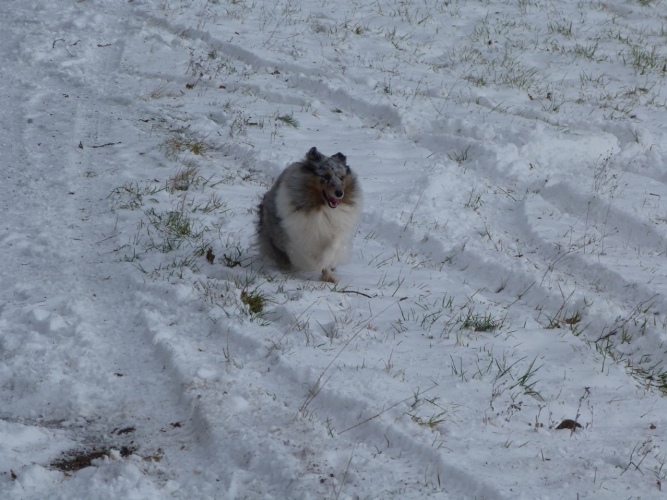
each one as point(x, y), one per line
point(296, 185)
point(272, 240)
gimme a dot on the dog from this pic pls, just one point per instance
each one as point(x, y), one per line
point(308, 217)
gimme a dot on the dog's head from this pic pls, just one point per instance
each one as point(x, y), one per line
point(334, 175)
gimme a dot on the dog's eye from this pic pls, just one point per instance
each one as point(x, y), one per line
point(326, 178)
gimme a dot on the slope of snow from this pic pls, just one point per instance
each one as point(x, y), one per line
point(507, 279)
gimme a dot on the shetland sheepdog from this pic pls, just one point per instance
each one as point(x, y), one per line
point(308, 217)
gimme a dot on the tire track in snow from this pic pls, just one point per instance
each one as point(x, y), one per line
point(415, 455)
point(574, 241)
point(305, 85)
point(58, 313)
point(228, 451)
point(218, 397)
point(303, 81)
point(312, 81)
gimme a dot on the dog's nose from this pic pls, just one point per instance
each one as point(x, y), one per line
point(339, 193)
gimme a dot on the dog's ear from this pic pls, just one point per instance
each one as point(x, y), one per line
point(313, 155)
point(340, 157)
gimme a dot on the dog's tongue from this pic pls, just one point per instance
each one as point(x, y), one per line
point(333, 202)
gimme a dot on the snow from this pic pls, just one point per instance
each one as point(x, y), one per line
point(508, 273)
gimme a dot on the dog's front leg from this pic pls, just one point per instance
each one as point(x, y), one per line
point(329, 276)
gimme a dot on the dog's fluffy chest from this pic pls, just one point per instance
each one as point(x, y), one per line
point(319, 236)
point(323, 224)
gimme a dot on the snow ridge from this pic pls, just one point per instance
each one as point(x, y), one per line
point(507, 279)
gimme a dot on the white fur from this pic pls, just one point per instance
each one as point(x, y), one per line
point(318, 240)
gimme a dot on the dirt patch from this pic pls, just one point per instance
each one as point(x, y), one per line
point(80, 459)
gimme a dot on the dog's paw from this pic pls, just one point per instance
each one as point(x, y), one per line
point(329, 276)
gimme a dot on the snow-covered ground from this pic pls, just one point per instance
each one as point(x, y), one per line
point(500, 330)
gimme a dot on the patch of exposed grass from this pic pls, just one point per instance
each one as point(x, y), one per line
point(179, 144)
point(289, 120)
point(132, 195)
point(184, 178)
point(472, 320)
point(255, 301)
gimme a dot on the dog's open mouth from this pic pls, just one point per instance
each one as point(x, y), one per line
point(332, 201)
